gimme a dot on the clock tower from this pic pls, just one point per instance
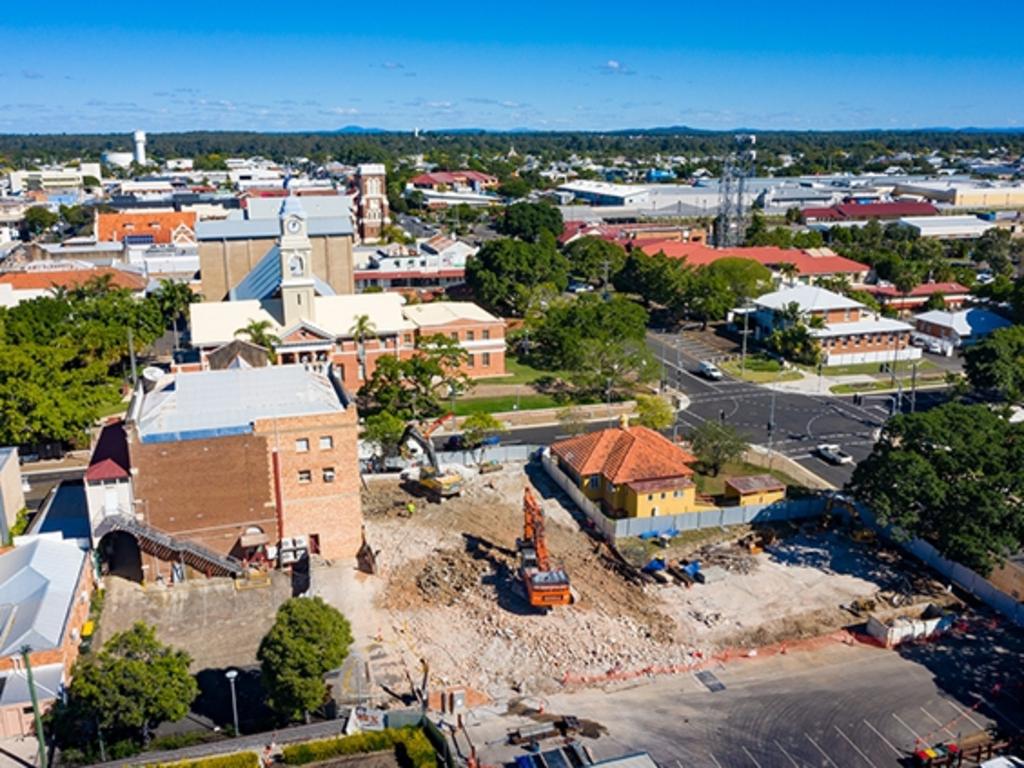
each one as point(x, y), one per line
point(296, 253)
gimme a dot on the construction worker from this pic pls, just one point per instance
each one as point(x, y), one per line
point(410, 508)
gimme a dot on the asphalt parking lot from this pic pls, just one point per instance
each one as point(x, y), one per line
point(837, 707)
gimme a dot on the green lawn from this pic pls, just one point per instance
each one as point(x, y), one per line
point(520, 373)
point(715, 486)
point(113, 409)
point(871, 368)
point(882, 384)
point(761, 372)
point(503, 404)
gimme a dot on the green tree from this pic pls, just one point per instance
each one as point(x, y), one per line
point(39, 219)
point(935, 301)
point(593, 258)
point(655, 279)
point(654, 412)
point(745, 278)
point(258, 332)
point(996, 364)
point(362, 329)
point(571, 420)
point(174, 297)
point(527, 221)
point(715, 445)
point(384, 430)
point(951, 476)
point(506, 271)
point(75, 216)
point(478, 427)
point(562, 335)
point(609, 367)
point(514, 187)
point(309, 639)
point(133, 684)
point(994, 249)
point(706, 297)
point(210, 162)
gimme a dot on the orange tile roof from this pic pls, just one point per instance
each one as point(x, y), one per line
point(812, 261)
point(161, 225)
point(624, 455)
point(69, 278)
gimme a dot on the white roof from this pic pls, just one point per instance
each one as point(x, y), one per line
point(214, 403)
point(602, 188)
point(215, 323)
point(444, 312)
point(860, 327)
point(810, 298)
point(934, 226)
point(966, 321)
point(38, 580)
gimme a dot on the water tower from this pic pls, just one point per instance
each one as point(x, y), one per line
point(140, 147)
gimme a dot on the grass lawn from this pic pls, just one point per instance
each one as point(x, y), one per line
point(715, 486)
point(502, 404)
point(113, 409)
point(758, 374)
point(519, 373)
point(886, 383)
point(871, 368)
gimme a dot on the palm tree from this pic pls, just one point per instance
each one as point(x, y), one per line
point(259, 334)
point(789, 271)
point(362, 329)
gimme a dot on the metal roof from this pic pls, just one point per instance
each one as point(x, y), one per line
point(265, 278)
point(966, 322)
point(246, 229)
point(38, 581)
point(207, 404)
point(809, 298)
point(14, 685)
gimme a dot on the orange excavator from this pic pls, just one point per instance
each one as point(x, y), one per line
point(545, 586)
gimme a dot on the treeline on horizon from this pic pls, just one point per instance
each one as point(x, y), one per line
point(828, 146)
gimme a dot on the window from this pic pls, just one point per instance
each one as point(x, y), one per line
point(485, 359)
point(407, 338)
point(650, 497)
point(454, 335)
point(593, 481)
point(305, 476)
point(326, 443)
point(302, 445)
point(663, 495)
point(328, 474)
point(677, 494)
point(470, 336)
point(470, 360)
point(485, 334)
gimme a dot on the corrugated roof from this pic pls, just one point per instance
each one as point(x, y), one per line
point(810, 298)
point(210, 403)
point(966, 322)
point(755, 484)
point(444, 312)
point(14, 685)
point(38, 581)
point(109, 460)
point(264, 279)
point(247, 229)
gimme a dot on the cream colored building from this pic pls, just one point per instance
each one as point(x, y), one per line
point(966, 194)
point(12, 498)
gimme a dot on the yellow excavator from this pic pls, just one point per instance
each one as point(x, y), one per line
point(434, 483)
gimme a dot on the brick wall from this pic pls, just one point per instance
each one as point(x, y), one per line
point(208, 491)
point(319, 479)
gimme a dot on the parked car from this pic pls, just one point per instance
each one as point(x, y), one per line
point(577, 286)
point(709, 370)
point(833, 454)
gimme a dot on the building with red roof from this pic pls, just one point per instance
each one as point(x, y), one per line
point(811, 264)
point(157, 227)
point(32, 283)
point(631, 471)
point(474, 181)
point(627, 235)
point(865, 211)
point(953, 295)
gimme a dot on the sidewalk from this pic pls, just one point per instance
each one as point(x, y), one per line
point(548, 417)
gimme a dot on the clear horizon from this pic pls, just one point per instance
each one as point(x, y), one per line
point(574, 66)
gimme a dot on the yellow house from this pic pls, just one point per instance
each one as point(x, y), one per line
point(630, 471)
point(754, 489)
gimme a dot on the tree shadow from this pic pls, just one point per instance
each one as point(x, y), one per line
point(214, 701)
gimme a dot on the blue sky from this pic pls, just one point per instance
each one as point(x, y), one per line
point(113, 66)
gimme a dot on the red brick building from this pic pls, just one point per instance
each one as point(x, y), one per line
point(233, 462)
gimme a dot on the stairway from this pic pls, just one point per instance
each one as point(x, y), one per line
point(161, 545)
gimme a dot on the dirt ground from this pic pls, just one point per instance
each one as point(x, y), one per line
point(450, 587)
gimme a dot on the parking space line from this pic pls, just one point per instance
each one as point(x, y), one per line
point(965, 713)
point(938, 722)
point(714, 760)
point(855, 747)
point(912, 731)
point(888, 743)
point(754, 761)
point(788, 756)
point(823, 752)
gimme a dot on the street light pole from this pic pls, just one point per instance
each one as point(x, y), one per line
point(40, 736)
point(743, 351)
point(231, 674)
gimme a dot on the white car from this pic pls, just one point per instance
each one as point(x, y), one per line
point(709, 370)
point(833, 454)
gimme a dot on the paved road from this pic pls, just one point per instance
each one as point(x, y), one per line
point(838, 707)
point(801, 421)
point(414, 225)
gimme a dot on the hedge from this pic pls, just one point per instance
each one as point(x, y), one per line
point(236, 760)
point(411, 746)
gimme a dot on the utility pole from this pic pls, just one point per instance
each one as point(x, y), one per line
point(131, 357)
point(40, 736)
point(771, 428)
point(913, 387)
point(743, 351)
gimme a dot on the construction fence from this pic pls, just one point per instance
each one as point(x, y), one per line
point(514, 452)
point(707, 517)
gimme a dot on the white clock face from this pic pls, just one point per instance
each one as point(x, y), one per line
point(294, 226)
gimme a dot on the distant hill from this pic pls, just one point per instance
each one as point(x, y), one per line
point(351, 130)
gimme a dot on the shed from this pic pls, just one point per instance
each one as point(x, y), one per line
point(754, 489)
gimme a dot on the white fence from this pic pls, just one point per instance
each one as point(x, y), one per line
point(500, 453)
point(710, 517)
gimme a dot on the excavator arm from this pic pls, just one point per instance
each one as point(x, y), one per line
point(412, 433)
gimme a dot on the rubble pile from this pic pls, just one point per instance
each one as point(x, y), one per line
point(448, 576)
